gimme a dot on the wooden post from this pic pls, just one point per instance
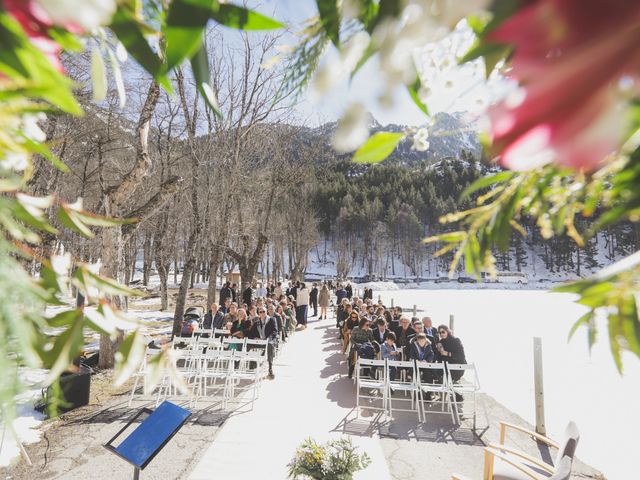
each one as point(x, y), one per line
point(379, 298)
point(392, 302)
point(415, 310)
point(451, 321)
point(539, 387)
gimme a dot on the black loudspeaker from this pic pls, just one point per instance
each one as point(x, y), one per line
point(75, 389)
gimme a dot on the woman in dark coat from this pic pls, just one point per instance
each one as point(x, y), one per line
point(449, 349)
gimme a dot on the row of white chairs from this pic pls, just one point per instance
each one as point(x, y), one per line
point(376, 380)
point(205, 364)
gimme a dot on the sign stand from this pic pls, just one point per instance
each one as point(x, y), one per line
point(153, 433)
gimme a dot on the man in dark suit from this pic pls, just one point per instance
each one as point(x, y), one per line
point(313, 299)
point(213, 319)
point(225, 292)
point(430, 331)
point(266, 328)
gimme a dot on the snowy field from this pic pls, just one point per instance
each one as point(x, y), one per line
point(497, 329)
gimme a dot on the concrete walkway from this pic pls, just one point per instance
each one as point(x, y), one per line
point(307, 399)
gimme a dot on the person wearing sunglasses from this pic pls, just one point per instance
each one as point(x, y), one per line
point(266, 328)
point(449, 349)
point(350, 323)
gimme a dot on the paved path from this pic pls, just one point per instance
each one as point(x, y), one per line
point(308, 398)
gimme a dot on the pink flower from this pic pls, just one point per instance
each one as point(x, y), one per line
point(35, 24)
point(569, 58)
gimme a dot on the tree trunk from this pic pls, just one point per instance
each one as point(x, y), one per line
point(148, 259)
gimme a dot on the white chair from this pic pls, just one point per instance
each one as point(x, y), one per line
point(507, 463)
point(432, 379)
point(371, 375)
point(233, 343)
point(214, 365)
point(407, 383)
point(248, 373)
point(142, 372)
point(467, 386)
point(221, 332)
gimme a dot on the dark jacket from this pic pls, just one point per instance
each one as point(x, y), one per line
point(270, 329)
point(404, 341)
point(313, 295)
point(349, 291)
point(454, 346)
point(216, 322)
point(340, 294)
point(247, 296)
point(225, 292)
point(414, 352)
point(432, 335)
point(380, 337)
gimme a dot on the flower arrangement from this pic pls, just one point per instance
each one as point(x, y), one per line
point(334, 460)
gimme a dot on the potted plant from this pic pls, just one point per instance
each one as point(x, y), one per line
point(334, 460)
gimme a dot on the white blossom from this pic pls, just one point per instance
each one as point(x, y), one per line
point(421, 140)
point(16, 161)
point(31, 129)
point(352, 130)
point(336, 68)
point(87, 14)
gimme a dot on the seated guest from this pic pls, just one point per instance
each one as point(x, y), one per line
point(226, 304)
point(214, 319)
point(418, 327)
point(389, 351)
point(420, 349)
point(241, 325)
point(430, 330)
point(381, 331)
point(449, 349)
point(359, 335)
point(370, 313)
point(404, 334)
point(350, 323)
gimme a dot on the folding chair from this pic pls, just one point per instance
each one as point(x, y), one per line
point(248, 373)
point(185, 368)
point(221, 332)
point(407, 383)
point(214, 365)
point(432, 378)
point(507, 463)
point(233, 343)
point(468, 385)
point(371, 375)
point(142, 372)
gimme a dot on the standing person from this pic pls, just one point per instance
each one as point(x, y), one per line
point(349, 290)
point(341, 294)
point(247, 295)
point(278, 290)
point(323, 300)
point(225, 292)
point(313, 299)
point(266, 328)
point(294, 290)
point(261, 291)
point(282, 331)
point(302, 304)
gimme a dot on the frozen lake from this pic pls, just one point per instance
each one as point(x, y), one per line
point(497, 329)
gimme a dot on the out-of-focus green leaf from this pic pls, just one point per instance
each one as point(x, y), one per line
point(330, 19)
point(69, 219)
point(98, 76)
point(65, 39)
point(132, 33)
point(19, 58)
point(414, 90)
point(378, 147)
point(241, 18)
point(65, 347)
point(129, 357)
point(202, 76)
point(186, 20)
point(484, 182)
